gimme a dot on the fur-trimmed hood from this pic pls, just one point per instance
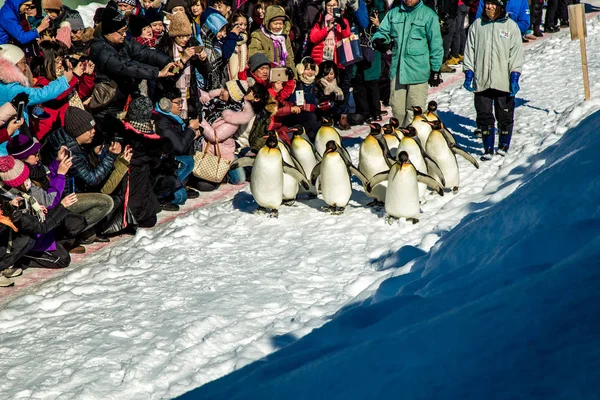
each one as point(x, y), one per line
point(10, 73)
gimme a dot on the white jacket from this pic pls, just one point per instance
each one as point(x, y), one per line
point(493, 50)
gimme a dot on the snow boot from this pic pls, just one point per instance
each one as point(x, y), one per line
point(6, 282)
point(11, 272)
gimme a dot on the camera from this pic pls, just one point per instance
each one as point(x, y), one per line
point(337, 13)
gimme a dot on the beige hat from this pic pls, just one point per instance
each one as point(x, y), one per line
point(179, 25)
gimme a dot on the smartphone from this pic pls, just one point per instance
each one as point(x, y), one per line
point(70, 187)
point(337, 13)
point(198, 49)
point(175, 70)
point(20, 110)
point(118, 139)
point(299, 97)
point(278, 74)
point(69, 153)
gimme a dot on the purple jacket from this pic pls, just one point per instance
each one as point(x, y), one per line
point(49, 198)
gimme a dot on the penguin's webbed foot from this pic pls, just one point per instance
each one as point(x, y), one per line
point(455, 189)
point(376, 204)
point(274, 214)
point(260, 211)
point(413, 220)
point(289, 203)
point(390, 220)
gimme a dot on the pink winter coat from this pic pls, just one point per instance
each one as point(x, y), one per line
point(223, 130)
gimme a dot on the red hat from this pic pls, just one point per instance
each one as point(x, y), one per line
point(13, 172)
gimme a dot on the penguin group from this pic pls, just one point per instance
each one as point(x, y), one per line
point(396, 166)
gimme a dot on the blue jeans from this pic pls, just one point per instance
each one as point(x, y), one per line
point(238, 175)
point(186, 168)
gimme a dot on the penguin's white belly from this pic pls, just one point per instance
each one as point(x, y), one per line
point(322, 138)
point(335, 182)
point(446, 160)
point(307, 159)
point(266, 182)
point(371, 162)
point(416, 158)
point(392, 144)
point(290, 185)
point(402, 197)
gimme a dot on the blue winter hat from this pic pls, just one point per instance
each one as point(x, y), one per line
point(213, 19)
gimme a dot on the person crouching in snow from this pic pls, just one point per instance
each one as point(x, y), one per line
point(224, 113)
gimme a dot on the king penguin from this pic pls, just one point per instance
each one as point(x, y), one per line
point(373, 158)
point(266, 180)
point(304, 152)
point(443, 153)
point(392, 136)
point(402, 195)
point(335, 172)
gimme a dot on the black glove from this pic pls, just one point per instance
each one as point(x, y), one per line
point(290, 73)
point(21, 97)
point(341, 22)
point(435, 79)
point(379, 44)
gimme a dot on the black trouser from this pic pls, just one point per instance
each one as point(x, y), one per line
point(502, 104)
point(556, 9)
point(345, 84)
point(20, 245)
point(384, 81)
point(366, 96)
point(451, 28)
point(536, 9)
point(58, 258)
point(308, 120)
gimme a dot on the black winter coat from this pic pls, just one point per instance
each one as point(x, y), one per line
point(182, 141)
point(126, 64)
point(89, 177)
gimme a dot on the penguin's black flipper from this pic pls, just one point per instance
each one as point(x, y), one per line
point(315, 174)
point(297, 164)
point(387, 154)
point(296, 174)
point(344, 153)
point(356, 172)
point(457, 150)
point(448, 135)
point(377, 179)
point(429, 181)
point(241, 162)
point(432, 166)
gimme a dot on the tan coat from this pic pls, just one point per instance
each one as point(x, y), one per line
point(260, 43)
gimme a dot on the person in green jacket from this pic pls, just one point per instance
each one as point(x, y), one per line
point(412, 31)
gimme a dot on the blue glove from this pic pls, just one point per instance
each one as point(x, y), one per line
point(469, 75)
point(514, 83)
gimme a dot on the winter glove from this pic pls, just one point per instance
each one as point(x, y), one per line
point(328, 87)
point(469, 81)
point(21, 97)
point(514, 83)
point(339, 94)
point(435, 79)
point(290, 73)
point(379, 44)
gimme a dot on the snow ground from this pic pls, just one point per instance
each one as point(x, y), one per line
point(186, 303)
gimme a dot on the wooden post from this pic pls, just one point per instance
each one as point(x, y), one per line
point(579, 31)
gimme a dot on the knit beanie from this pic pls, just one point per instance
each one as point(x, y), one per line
point(52, 4)
point(22, 146)
point(78, 121)
point(258, 60)
point(213, 19)
point(130, 2)
point(179, 25)
point(112, 21)
point(63, 34)
point(75, 20)
point(139, 114)
point(153, 15)
point(171, 4)
point(98, 15)
point(137, 23)
point(237, 89)
point(11, 53)
point(13, 173)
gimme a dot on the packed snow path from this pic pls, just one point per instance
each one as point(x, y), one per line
point(192, 300)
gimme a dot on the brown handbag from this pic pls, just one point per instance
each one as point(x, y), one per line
point(210, 167)
point(103, 94)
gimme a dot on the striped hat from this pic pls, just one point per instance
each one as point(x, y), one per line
point(237, 89)
point(13, 173)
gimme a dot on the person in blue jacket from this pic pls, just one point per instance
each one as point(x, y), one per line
point(517, 10)
point(13, 80)
point(10, 22)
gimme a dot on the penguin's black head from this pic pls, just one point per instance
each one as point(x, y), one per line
point(299, 130)
point(272, 140)
point(409, 131)
point(330, 146)
point(387, 128)
point(394, 122)
point(375, 127)
point(417, 110)
point(432, 106)
point(403, 157)
point(436, 125)
point(326, 122)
